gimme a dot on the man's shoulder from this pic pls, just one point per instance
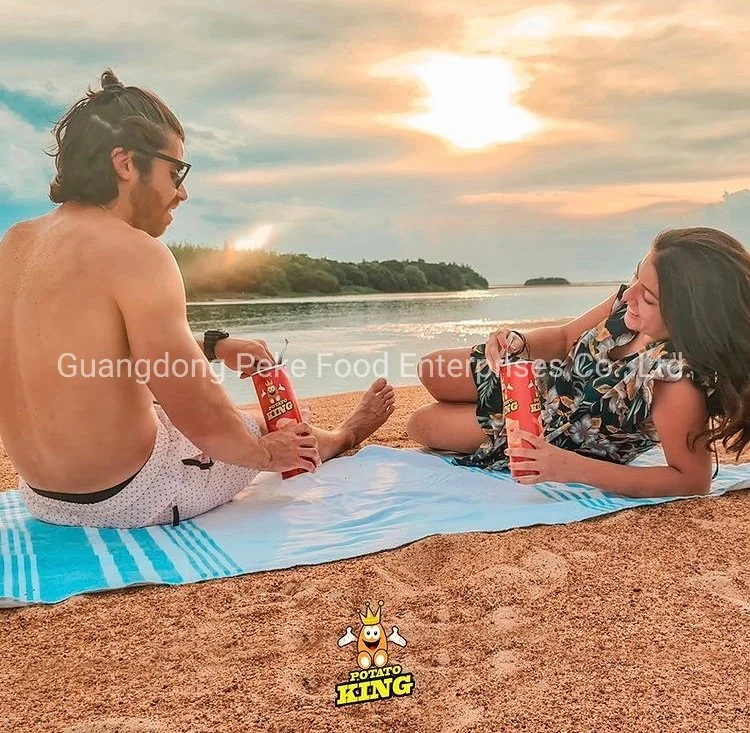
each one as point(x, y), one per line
point(17, 230)
point(137, 263)
point(126, 249)
point(122, 236)
point(114, 239)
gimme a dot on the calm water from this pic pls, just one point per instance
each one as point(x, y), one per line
point(341, 344)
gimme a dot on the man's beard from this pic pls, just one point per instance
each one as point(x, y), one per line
point(148, 214)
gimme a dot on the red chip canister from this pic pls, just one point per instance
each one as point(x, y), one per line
point(522, 408)
point(277, 400)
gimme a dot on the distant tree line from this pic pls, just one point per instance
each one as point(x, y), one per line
point(547, 281)
point(226, 273)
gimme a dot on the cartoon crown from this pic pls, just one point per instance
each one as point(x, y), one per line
point(369, 618)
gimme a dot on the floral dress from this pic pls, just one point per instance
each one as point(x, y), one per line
point(607, 402)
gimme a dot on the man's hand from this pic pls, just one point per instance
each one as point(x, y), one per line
point(244, 356)
point(293, 446)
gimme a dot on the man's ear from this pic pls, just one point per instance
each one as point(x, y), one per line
point(122, 161)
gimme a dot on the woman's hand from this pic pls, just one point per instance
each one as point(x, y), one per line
point(500, 344)
point(549, 462)
point(244, 356)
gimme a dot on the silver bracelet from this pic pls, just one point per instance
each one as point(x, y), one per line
point(525, 346)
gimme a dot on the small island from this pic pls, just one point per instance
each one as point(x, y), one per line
point(547, 281)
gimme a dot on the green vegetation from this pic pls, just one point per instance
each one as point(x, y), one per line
point(214, 273)
point(547, 281)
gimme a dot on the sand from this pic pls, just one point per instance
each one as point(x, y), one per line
point(639, 621)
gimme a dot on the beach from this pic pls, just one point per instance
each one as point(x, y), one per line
point(637, 621)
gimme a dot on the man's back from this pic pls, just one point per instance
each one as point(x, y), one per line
point(68, 423)
point(93, 309)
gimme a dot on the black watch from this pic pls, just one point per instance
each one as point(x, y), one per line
point(210, 339)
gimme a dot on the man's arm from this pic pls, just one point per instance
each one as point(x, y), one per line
point(149, 291)
point(242, 355)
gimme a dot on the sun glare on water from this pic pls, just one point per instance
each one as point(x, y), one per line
point(257, 238)
point(470, 101)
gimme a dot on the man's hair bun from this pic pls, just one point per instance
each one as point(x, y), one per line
point(110, 81)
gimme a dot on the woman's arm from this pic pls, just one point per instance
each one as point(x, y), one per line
point(554, 342)
point(678, 410)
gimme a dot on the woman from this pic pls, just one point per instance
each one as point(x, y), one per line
point(665, 360)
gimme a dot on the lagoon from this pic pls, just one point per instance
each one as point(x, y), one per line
point(341, 343)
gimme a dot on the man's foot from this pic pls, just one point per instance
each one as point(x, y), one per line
point(375, 407)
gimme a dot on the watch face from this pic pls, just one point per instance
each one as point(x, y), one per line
point(216, 333)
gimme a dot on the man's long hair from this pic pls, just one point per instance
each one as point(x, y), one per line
point(115, 116)
point(704, 294)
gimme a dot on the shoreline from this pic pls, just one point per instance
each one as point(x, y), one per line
point(250, 298)
point(632, 621)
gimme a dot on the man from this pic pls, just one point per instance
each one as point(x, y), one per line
point(89, 282)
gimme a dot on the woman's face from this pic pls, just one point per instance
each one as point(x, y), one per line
point(643, 314)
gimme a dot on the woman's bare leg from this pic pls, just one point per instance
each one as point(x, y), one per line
point(374, 408)
point(446, 426)
point(446, 374)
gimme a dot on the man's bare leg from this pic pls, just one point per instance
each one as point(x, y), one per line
point(375, 407)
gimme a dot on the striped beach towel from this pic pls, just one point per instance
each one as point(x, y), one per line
point(378, 499)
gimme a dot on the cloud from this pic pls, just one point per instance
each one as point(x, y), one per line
point(25, 172)
point(597, 202)
point(33, 108)
point(645, 115)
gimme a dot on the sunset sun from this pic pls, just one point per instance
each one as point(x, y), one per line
point(257, 238)
point(469, 101)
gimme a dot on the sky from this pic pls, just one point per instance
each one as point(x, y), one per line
point(523, 138)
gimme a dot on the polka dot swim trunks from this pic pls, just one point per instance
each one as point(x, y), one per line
point(178, 482)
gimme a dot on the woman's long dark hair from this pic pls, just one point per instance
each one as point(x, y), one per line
point(704, 293)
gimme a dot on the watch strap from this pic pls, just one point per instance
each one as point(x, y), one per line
point(210, 339)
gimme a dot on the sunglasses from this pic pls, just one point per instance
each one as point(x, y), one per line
point(183, 168)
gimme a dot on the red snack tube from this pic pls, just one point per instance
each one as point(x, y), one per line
point(521, 405)
point(277, 401)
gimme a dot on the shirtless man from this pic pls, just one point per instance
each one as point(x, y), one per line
point(90, 281)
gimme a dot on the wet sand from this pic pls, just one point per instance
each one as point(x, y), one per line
point(639, 621)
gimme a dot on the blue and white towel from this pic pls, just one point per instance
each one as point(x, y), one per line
point(378, 499)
